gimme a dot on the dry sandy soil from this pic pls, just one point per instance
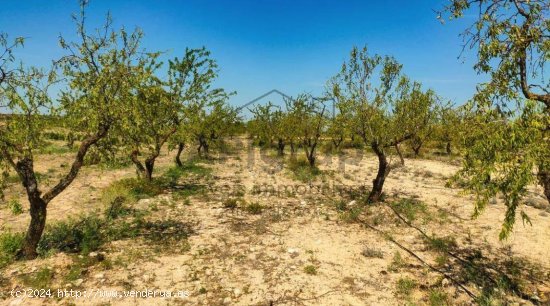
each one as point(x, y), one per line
point(305, 247)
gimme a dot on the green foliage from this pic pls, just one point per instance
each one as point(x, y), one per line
point(117, 208)
point(302, 171)
point(511, 42)
point(15, 207)
point(505, 143)
point(307, 121)
point(449, 127)
point(384, 108)
point(442, 244)
point(386, 114)
point(254, 208)
point(99, 76)
point(271, 123)
point(310, 269)
point(502, 153)
point(141, 189)
point(193, 167)
point(405, 286)
point(162, 108)
point(231, 203)
point(301, 124)
point(208, 121)
point(81, 264)
point(10, 243)
point(438, 298)
point(411, 208)
point(81, 235)
point(397, 262)
point(40, 279)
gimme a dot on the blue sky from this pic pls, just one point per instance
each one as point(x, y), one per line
point(293, 46)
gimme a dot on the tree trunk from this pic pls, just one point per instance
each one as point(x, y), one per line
point(25, 169)
point(416, 149)
point(203, 146)
point(181, 146)
point(383, 171)
point(448, 148)
point(280, 147)
point(400, 154)
point(310, 154)
point(311, 160)
point(36, 228)
point(292, 148)
point(544, 180)
point(140, 169)
point(337, 142)
point(149, 166)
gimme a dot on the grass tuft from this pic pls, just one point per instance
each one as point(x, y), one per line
point(405, 286)
point(10, 243)
point(302, 171)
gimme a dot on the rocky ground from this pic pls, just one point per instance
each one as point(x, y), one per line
point(251, 233)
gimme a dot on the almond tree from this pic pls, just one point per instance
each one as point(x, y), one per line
point(511, 41)
point(307, 121)
point(338, 125)
point(210, 121)
point(270, 124)
point(448, 128)
point(430, 102)
point(386, 107)
point(161, 106)
point(99, 71)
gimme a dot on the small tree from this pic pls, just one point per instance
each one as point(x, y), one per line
point(210, 120)
point(429, 102)
point(99, 71)
point(160, 107)
point(271, 124)
point(385, 115)
point(448, 128)
point(338, 125)
point(307, 120)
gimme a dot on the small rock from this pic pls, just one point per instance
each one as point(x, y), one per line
point(78, 282)
point(293, 252)
point(208, 272)
point(303, 203)
point(99, 276)
point(237, 292)
point(93, 254)
point(227, 301)
point(445, 282)
point(18, 301)
point(352, 203)
point(33, 269)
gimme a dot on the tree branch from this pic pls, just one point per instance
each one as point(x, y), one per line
point(77, 164)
